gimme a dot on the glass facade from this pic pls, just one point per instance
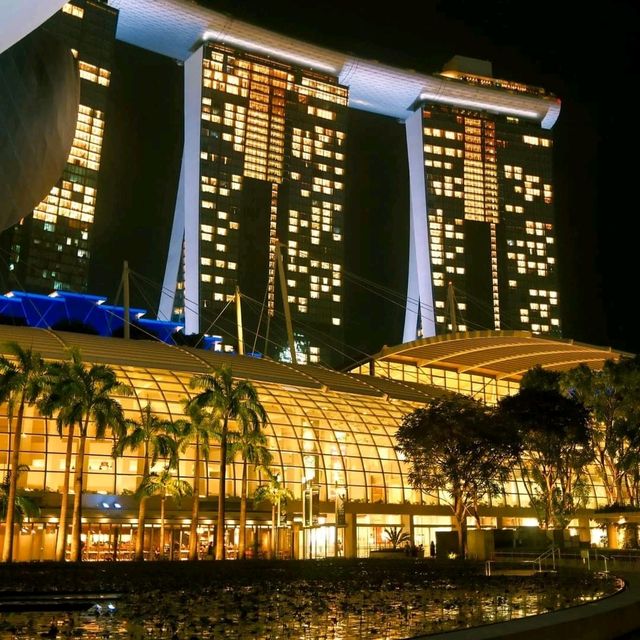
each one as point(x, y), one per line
point(329, 438)
point(51, 248)
point(488, 389)
point(332, 440)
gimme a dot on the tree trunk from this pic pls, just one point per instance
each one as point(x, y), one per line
point(162, 501)
point(461, 526)
point(195, 507)
point(549, 516)
point(142, 510)
point(242, 546)
point(619, 491)
point(61, 539)
point(9, 434)
point(7, 548)
point(222, 491)
point(78, 487)
point(46, 453)
point(273, 532)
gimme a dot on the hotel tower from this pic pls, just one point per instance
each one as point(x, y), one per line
point(260, 211)
point(51, 247)
point(482, 195)
point(263, 168)
point(262, 177)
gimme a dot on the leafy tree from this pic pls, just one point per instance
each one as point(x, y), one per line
point(89, 390)
point(555, 450)
point(543, 379)
point(629, 461)
point(251, 444)
point(23, 380)
point(612, 396)
point(197, 432)
point(457, 454)
point(396, 536)
point(227, 400)
point(277, 494)
point(157, 439)
point(163, 484)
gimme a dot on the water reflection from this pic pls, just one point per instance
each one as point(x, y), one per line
point(307, 610)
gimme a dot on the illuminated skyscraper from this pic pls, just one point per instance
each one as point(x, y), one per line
point(264, 159)
point(263, 165)
point(263, 168)
point(51, 248)
point(486, 177)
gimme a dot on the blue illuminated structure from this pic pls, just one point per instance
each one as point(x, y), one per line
point(67, 309)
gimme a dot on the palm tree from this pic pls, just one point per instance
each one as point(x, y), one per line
point(23, 379)
point(277, 494)
point(251, 444)
point(24, 507)
point(88, 389)
point(227, 400)
point(197, 431)
point(69, 414)
point(163, 484)
point(11, 401)
point(156, 437)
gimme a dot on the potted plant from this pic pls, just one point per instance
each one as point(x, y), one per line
point(396, 537)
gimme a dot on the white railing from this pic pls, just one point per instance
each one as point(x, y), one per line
point(547, 555)
point(593, 558)
point(606, 560)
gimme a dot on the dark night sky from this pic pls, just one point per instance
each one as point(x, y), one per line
point(587, 59)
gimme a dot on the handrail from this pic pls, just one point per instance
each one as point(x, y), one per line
point(550, 552)
point(605, 558)
point(592, 554)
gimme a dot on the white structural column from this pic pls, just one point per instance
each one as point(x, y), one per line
point(191, 163)
point(18, 18)
point(186, 221)
point(172, 268)
point(413, 295)
point(419, 283)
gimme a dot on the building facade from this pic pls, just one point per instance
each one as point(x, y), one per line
point(479, 155)
point(51, 247)
point(332, 436)
point(488, 189)
point(262, 174)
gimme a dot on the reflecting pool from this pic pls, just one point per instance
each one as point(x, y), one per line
point(366, 602)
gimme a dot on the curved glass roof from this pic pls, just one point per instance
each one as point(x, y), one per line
point(331, 429)
point(498, 354)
